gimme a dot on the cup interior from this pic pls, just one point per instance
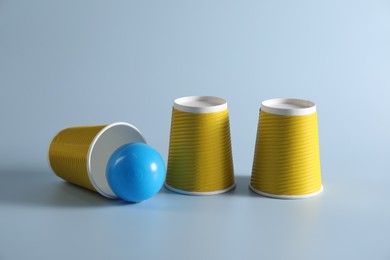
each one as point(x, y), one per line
point(103, 146)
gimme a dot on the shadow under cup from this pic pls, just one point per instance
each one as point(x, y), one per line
point(200, 155)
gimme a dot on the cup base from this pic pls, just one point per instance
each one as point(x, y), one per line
point(198, 193)
point(288, 197)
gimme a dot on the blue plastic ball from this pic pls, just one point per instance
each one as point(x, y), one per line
point(135, 172)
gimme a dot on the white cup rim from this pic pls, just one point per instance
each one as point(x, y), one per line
point(288, 107)
point(200, 104)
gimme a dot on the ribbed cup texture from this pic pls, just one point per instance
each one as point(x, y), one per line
point(68, 154)
point(200, 155)
point(287, 159)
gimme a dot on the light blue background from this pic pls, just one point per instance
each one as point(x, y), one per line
point(67, 63)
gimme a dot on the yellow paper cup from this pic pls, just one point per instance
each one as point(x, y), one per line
point(200, 155)
point(286, 162)
point(80, 154)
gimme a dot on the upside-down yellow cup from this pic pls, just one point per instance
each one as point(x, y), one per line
point(286, 162)
point(80, 154)
point(200, 155)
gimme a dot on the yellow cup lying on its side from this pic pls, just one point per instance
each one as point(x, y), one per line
point(80, 154)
